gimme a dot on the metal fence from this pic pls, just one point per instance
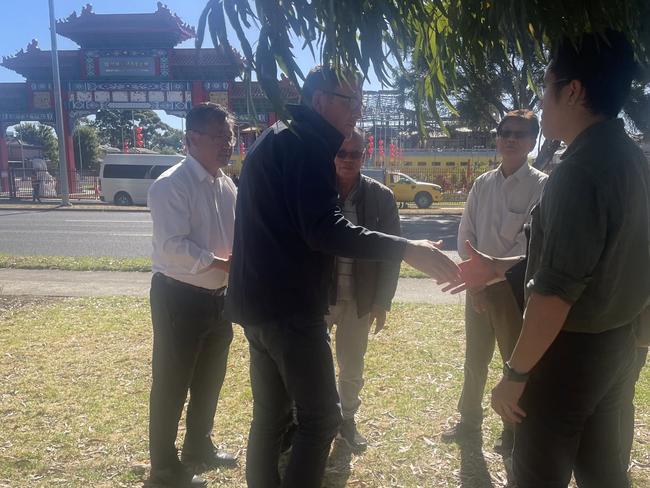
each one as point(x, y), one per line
point(35, 184)
point(21, 184)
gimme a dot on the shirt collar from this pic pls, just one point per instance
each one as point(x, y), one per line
point(592, 133)
point(199, 172)
point(522, 172)
point(302, 113)
point(518, 175)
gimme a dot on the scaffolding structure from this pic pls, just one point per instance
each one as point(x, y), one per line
point(387, 120)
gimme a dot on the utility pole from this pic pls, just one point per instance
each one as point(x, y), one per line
point(58, 108)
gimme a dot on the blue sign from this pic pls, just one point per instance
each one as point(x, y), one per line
point(127, 66)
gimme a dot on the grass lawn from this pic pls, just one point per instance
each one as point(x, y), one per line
point(94, 263)
point(74, 385)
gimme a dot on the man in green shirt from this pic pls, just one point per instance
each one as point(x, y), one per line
point(588, 278)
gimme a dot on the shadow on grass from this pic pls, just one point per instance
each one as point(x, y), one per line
point(338, 466)
point(474, 471)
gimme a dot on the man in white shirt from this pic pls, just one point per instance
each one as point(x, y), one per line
point(498, 206)
point(193, 212)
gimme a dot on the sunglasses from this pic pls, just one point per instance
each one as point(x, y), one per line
point(353, 155)
point(514, 134)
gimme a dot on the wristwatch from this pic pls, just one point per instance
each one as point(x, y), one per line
point(513, 375)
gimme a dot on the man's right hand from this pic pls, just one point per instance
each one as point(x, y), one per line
point(425, 256)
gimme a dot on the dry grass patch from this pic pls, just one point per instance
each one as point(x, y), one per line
point(74, 386)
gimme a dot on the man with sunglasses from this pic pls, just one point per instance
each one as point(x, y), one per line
point(361, 291)
point(193, 212)
point(288, 230)
point(497, 208)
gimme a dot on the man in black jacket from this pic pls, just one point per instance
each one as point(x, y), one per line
point(287, 232)
point(361, 291)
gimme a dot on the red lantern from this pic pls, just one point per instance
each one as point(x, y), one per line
point(139, 143)
point(381, 148)
point(242, 149)
point(392, 150)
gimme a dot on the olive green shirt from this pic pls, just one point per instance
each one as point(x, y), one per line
point(590, 233)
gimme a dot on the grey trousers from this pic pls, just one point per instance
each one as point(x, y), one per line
point(351, 344)
point(501, 323)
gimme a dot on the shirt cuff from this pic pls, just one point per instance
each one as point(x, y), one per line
point(552, 282)
point(205, 259)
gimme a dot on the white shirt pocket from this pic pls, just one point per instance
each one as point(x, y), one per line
point(513, 224)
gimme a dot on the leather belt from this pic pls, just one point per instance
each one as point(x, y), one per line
point(219, 292)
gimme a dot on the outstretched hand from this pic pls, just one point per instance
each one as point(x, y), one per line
point(475, 272)
point(426, 256)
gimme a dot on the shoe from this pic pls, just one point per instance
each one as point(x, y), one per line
point(207, 460)
point(461, 432)
point(349, 433)
point(175, 478)
point(505, 443)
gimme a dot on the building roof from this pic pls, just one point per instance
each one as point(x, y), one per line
point(185, 64)
point(205, 64)
point(287, 90)
point(158, 29)
point(35, 64)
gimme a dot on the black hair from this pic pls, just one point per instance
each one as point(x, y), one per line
point(522, 114)
point(205, 114)
point(603, 63)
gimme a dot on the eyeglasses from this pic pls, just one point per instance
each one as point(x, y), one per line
point(546, 86)
point(353, 103)
point(514, 134)
point(226, 140)
point(351, 155)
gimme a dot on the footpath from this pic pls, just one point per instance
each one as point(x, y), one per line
point(57, 283)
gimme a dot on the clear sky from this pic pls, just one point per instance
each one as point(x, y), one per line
point(21, 21)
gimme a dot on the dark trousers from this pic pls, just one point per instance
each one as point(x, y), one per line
point(573, 400)
point(500, 324)
point(190, 351)
point(291, 362)
point(627, 414)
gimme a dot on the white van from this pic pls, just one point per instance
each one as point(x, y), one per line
point(124, 179)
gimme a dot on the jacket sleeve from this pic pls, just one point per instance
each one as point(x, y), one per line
point(388, 272)
point(311, 200)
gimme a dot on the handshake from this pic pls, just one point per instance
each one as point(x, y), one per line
point(473, 273)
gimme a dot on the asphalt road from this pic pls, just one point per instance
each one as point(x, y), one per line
point(126, 234)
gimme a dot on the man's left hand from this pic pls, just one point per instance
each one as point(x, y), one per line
point(505, 400)
point(378, 315)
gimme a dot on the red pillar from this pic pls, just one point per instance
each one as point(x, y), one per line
point(198, 93)
point(4, 159)
point(69, 152)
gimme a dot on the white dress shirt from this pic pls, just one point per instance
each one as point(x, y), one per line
point(193, 216)
point(497, 209)
point(345, 266)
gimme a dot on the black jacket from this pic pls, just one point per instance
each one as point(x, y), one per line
point(375, 282)
point(288, 226)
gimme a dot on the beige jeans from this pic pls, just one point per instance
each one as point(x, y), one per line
point(351, 344)
point(500, 323)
